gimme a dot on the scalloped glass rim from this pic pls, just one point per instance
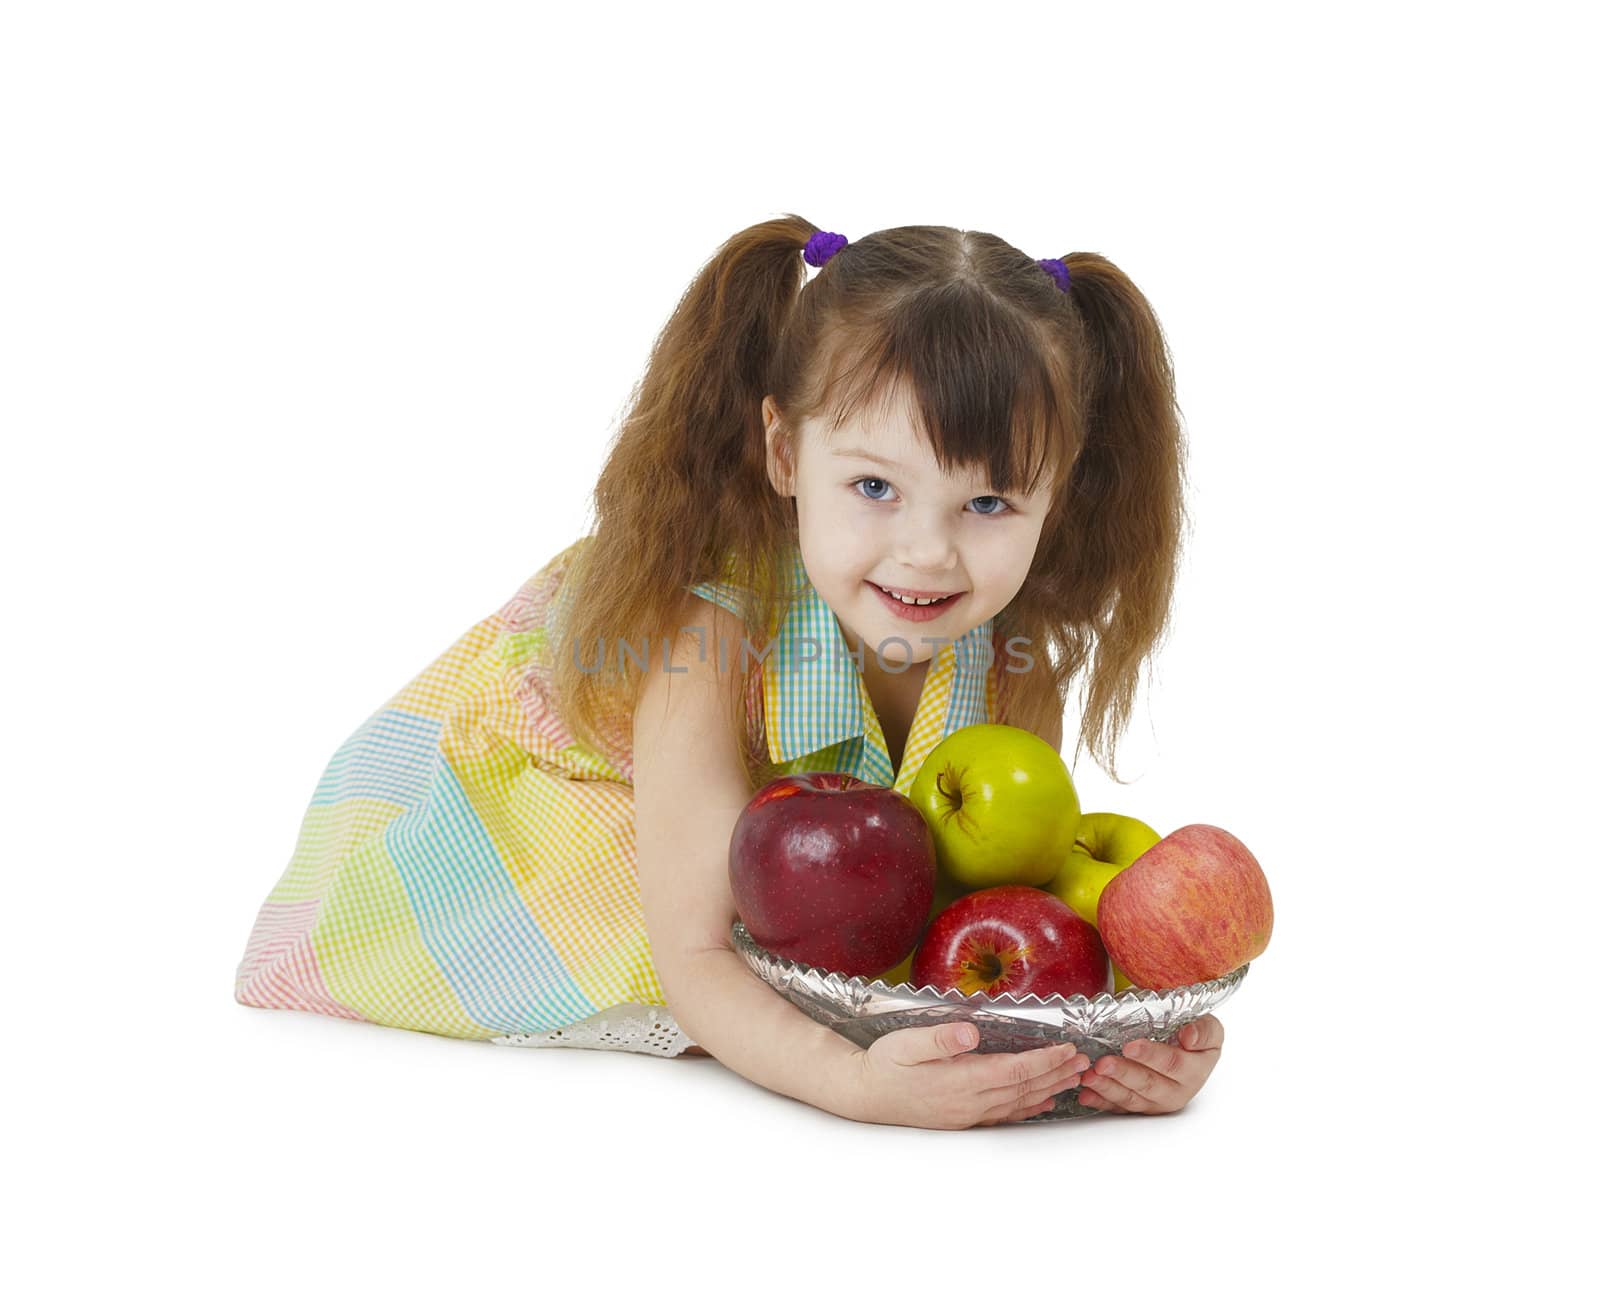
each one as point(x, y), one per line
point(1133, 996)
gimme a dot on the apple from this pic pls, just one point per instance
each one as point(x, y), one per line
point(832, 871)
point(1012, 939)
point(1192, 907)
point(1001, 804)
point(1105, 844)
point(945, 892)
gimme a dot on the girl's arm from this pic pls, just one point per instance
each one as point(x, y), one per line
point(690, 788)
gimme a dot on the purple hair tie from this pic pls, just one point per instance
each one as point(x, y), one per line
point(1058, 271)
point(822, 245)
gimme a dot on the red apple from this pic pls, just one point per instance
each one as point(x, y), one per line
point(1012, 939)
point(1192, 907)
point(832, 871)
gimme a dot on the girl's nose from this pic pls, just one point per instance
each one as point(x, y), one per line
point(927, 549)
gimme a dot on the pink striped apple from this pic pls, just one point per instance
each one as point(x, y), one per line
point(1192, 907)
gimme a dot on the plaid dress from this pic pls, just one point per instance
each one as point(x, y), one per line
point(466, 869)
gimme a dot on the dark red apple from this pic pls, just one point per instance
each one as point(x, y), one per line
point(832, 871)
point(1192, 907)
point(1012, 939)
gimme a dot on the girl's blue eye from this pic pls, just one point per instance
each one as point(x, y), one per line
point(1005, 506)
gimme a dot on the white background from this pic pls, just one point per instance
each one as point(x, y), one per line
point(317, 322)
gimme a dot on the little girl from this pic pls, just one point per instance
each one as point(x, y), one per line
point(842, 519)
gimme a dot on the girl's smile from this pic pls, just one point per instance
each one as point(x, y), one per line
point(915, 613)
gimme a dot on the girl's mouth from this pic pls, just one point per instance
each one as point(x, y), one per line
point(915, 613)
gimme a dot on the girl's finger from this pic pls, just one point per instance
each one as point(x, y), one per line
point(1002, 1116)
point(1040, 1091)
point(1200, 1035)
point(1041, 1096)
point(1039, 1109)
point(1162, 1058)
point(1187, 1070)
point(1087, 1097)
point(1136, 1087)
point(1046, 1067)
point(1124, 1098)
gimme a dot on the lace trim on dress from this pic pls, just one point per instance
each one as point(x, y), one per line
point(627, 1027)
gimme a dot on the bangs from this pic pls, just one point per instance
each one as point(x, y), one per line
point(984, 389)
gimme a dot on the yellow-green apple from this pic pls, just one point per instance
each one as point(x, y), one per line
point(1012, 939)
point(1104, 845)
point(1001, 804)
point(1192, 907)
point(832, 871)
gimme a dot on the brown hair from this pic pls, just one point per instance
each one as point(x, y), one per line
point(1006, 371)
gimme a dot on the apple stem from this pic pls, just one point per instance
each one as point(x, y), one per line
point(949, 785)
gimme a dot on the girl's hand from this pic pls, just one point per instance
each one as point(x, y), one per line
point(928, 1077)
point(1151, 1078)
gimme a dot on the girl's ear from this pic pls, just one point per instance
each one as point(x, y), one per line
point(780, 450)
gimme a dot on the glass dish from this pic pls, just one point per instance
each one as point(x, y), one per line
point(862, 1010)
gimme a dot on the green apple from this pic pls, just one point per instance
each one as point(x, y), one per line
point(1001, 805)
point(1105, 843)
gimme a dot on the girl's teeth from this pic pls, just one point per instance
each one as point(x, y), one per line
point(906, 600)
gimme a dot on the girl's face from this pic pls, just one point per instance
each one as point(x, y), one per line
point(875, 512)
